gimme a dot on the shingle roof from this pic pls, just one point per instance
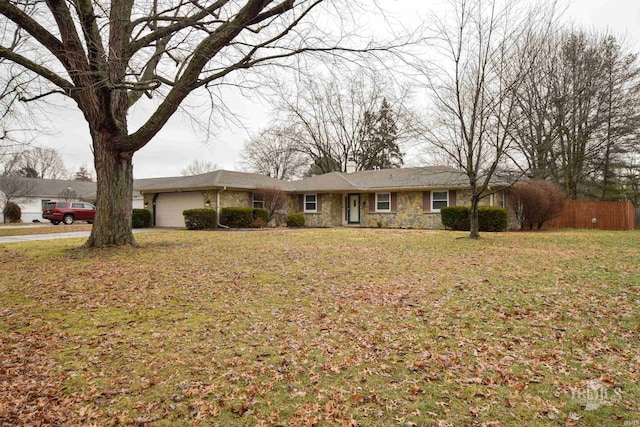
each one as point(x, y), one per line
point(370, 180)
point(54, 188)
point(216, 179)
point(426, 177)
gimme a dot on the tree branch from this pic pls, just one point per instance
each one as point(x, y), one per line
point(54, 78)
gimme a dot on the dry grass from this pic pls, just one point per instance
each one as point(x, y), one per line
point(323, 327)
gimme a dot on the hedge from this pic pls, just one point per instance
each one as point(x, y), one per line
point(244, 217)
point(199, 219)
point(490, 218)
point(141, 218)
point(295, 220)
point(455, 217)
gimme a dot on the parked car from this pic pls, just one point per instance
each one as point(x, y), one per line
point(68, 212)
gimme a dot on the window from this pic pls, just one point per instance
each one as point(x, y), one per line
point(258, 201)
point(310, 202)
point(439, 200)
point(383, 202)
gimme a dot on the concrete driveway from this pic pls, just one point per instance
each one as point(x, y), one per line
point(71, 234)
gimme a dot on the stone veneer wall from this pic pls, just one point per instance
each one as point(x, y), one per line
point(409, 214)
point(329, 216)
point(234, 199)
point(463, 198)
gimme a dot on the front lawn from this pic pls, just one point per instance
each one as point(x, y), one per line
point(323, 327)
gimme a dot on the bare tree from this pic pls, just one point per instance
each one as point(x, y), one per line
point(198, 167)
point(534, 133)
point(578, 113)
point(354, 118)
point(486, 50)
point(273, 200)
point(621, 128)
point(110, 56)
point(274, 153)
point(38, 162)
point(535, 202)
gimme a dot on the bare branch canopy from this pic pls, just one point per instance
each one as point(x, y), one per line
point(110, 56)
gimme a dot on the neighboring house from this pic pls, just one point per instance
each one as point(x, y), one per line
point(394, 198)
point(32, 193)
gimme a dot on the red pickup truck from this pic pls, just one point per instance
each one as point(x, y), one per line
point(68, 212)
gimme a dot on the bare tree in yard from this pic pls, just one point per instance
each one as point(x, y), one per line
point(487, 50)
point(274, 153)
point(621, 129)
point(535, 132)
point(578, 113)
point(336, 120)
point(198, 167)
point(535, 202)
point(109, 56)
point(580, 110)
point(273, 200)
point(13, 131)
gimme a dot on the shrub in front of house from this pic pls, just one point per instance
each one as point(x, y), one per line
point(261, 215)
point(258, 223)
point(141, 218)
point(490, 218)
point(244, 217)
point(295, 219)
point(199, 219)
point(236, 217)
point(12, 212)
point(455, 217)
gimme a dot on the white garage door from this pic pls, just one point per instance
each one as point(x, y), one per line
point(169, 207)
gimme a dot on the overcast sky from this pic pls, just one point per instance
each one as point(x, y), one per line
point(178, 144)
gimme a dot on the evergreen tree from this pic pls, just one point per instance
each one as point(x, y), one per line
point(378, 147)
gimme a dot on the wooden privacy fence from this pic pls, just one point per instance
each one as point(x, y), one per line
point(591, 214)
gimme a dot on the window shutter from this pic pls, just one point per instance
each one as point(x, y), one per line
point(426, 201)
point(301, 203)
point(372, 202)
point(318, 202)
point(250, 201)
point(452, 197)
point(394, 202)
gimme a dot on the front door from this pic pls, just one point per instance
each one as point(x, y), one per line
point(353, 208)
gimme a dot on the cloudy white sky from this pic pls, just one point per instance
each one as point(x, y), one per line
point(179, 144)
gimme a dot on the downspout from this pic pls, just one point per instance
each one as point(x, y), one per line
point(218, 208)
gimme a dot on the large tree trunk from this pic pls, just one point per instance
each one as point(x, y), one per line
point(473, 220)
point(114, 170)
